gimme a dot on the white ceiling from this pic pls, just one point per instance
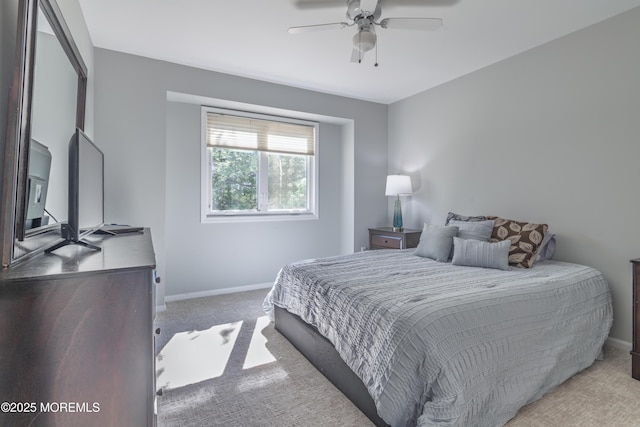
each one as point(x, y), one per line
point(249, 38)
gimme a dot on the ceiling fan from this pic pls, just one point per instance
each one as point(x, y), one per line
point(365, 15)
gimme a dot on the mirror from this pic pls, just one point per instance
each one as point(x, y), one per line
point(49, 104)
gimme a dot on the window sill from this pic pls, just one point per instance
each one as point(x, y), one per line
point(213, 219)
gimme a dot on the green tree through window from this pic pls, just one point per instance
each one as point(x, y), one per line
point(234, 179)
point(287, 182)
point(258, 165)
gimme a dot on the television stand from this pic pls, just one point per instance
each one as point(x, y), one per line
point(67, 242)
point(81, 329)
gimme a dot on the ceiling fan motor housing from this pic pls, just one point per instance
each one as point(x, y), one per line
point(355, 12)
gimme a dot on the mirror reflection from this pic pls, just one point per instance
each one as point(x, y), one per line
point(54, 115)
point(53, 118)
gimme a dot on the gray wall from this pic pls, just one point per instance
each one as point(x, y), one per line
point(53, 116)
point(203, 257)
point(153, 172)
point(550, 135)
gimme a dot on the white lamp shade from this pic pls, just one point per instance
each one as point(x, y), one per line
point(398, 185)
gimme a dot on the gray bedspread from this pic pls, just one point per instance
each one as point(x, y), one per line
point(438, 344)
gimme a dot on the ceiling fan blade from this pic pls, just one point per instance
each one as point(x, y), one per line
point(318, 4)
point(360, 8)
point(356, 55)
point(385, 3)
point(423, 24)
point(323, 4)
point(369, 6)
point(319, 27)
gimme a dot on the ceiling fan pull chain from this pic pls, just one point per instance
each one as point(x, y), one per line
point(376, 64)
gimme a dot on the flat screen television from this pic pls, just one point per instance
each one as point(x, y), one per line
point(86, 192)
point(37, 187)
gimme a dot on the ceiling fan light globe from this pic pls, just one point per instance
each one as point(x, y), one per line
point(364, 40)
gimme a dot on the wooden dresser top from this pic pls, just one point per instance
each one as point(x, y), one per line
point(120, 252)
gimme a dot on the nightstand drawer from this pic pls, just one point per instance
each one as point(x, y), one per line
point(386, 238)
point(386, 241)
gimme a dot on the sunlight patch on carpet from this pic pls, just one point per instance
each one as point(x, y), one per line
point(195, 356)
point(269, 377)
point(258, 354)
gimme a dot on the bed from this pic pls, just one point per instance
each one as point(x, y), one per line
point(414, 341)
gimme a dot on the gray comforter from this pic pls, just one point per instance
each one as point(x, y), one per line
point(438, 344)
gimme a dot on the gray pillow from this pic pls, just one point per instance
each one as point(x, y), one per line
point(547, 247)
point(436, 242)
point(477, 230)
point(475, 253)
point(458, 217)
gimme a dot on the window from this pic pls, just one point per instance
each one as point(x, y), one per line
point(258, 166)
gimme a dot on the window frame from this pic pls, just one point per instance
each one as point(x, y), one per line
point(210, 216)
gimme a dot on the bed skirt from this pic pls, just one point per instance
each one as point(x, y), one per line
point(321, 353)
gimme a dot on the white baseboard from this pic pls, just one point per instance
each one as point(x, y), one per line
point(213, 292)
point(619, 344)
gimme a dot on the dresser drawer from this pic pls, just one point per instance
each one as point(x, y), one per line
point(386, 241)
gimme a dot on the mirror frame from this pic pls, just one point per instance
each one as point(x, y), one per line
point(18, 134)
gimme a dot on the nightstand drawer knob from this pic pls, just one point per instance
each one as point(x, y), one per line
point(157, 331)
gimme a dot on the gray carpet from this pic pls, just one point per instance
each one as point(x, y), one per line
point(220, 364)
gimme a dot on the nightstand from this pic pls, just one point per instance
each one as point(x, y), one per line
point(386, 238)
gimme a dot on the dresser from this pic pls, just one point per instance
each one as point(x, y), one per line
point(76, 335)
point(386, 238)
point(635, 350)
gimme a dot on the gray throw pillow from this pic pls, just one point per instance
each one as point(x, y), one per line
point(436, 242)
point(547, 247)
point(477, 230)
point(475, 253)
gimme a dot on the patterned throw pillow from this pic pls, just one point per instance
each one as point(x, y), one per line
point(526, 239)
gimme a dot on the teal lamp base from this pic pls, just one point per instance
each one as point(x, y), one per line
point(397, 216)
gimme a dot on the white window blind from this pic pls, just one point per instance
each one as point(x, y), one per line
point(248, 133)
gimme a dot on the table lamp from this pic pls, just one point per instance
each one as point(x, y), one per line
point(398, 185)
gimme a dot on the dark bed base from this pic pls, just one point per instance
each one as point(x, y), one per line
point(321, 353)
